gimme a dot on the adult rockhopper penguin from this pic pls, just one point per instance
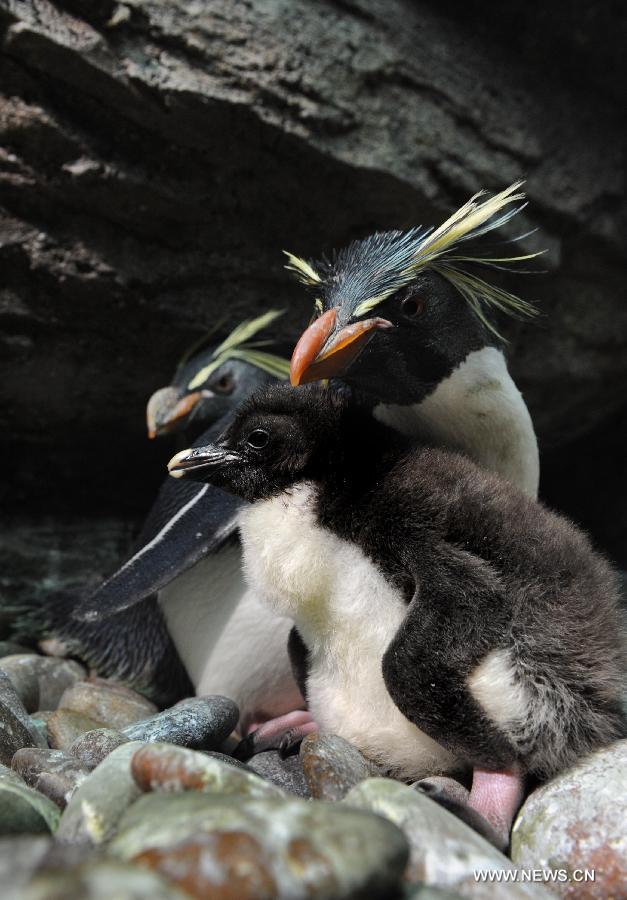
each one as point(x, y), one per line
point(443, 618)
point(406, 319)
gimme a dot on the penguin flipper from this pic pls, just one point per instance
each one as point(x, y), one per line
point(458, 612)
point(203, 520)
point(187, 521)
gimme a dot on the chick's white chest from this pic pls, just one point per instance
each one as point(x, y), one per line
point(347, 613)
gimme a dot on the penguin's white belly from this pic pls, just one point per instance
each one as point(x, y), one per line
point(229, 641)
point(347, 613)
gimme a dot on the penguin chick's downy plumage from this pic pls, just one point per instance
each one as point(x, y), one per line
point(431, 598)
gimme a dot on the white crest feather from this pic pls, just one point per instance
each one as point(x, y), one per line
point(437, 249)
point(301, 268)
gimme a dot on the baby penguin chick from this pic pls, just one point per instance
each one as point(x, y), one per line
point(443, 618)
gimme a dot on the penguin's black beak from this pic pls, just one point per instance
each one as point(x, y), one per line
point(203, 463)
point(321, 353)
point(169, 408)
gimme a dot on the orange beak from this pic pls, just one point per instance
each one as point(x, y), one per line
point(317, 355)
point(166, 408)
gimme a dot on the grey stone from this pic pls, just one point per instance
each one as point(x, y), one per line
point(23, 810)
point(10, 776)
point(201, 723)
point(107, 703)
point(51, 772)
point(445, 853)
point(41, 680)
point(39, 723)
point(579, 821)
point(100, 880)
point(292, 848)
point(93, 746)
point(284, 773)
point(92, 815)
point(228, 760)
point(64, 726)
point(332, 766)
point(163, 767)
point(16, 728)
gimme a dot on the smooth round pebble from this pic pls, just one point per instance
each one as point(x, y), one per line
point(101, 880)
point(275, 847)
point(93, 746)
point(332, 766)
point(40, 681)
point(201, 723)
point(39, 724)
point(579, 821)
point(16, 728)
point(286, 773)
point(228, 760)
point(95, 808)
point(445, 853)
point(65, 725)
point(107, 702)
point(51, 772)
point(162, 767)
point(24, 810)
point(23, 857)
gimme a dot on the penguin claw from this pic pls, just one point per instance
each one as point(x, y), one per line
point(283, 734)
point(291, 741)
point(245, 749)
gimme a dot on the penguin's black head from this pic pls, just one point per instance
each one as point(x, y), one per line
point(177, 408)
point(399, 311)
point(214, 380)
point(279, 436)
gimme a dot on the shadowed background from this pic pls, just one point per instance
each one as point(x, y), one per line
point(156, 157)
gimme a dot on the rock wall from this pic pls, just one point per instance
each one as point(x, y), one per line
point(157, 155)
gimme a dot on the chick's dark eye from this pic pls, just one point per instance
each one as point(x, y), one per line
point(258, 439)
point(412, 307)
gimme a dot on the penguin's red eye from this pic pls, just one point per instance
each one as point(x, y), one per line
point(412, 307)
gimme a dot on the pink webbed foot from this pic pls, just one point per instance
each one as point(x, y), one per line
point(497, 797)
point(282, 734)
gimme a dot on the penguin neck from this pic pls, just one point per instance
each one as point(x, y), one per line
point(478, 411)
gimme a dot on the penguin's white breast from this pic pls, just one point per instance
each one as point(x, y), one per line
point(347, 613)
